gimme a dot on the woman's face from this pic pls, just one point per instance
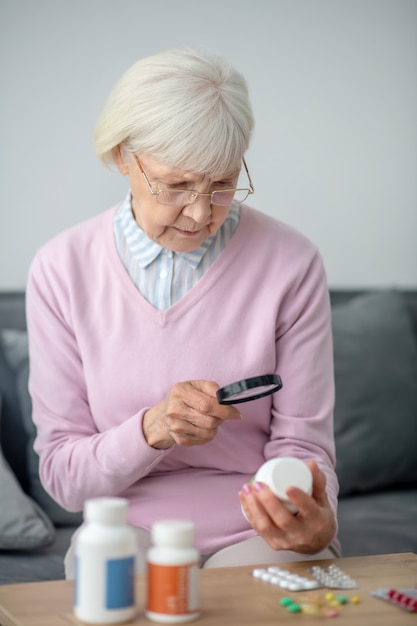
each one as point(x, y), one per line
point(178, 228)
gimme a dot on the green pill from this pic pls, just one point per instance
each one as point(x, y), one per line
point(342, 599)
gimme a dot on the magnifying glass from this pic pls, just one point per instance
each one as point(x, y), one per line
point(249, 389)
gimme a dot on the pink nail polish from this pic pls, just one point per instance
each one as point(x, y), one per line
point(257, 486)
point(246, 489)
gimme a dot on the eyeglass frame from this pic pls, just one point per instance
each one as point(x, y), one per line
point(196, 193)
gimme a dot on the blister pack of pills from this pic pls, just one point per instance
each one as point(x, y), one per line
point(285, 580)
point(333, 577)
point(402, 598)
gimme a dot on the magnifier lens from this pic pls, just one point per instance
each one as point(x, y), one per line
point(249, 389)
point(248, 394)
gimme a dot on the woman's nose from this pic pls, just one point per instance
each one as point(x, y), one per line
point(199, 210)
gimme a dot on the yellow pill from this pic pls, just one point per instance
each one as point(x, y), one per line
point(329, 596)
point(310, 609)
point(334, 604)
point(355, 600)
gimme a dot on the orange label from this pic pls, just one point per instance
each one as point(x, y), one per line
point(173, 589)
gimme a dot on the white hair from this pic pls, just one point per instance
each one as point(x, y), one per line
point(186, 108)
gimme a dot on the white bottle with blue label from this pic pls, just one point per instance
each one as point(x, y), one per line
point(105, 558)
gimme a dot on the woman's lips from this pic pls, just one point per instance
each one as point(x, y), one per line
point(189, 233)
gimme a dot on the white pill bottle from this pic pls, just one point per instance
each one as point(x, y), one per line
point(173, 593)
point(283, 472)
point(105, 558)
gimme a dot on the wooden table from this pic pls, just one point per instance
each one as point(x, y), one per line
point(232, 597)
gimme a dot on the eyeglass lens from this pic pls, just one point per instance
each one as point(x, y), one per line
point(221, 197)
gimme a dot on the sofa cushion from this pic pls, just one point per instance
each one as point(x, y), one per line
point(375, 358)
point(34, 566)
point(15, 347)
point(378, 523)
point(23, 525)
point(12, 432)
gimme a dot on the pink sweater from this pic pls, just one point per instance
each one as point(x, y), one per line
point(101, 355)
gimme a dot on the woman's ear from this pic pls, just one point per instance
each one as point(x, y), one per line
point(118, 159)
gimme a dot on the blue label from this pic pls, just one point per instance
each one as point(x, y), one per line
point(120, 578)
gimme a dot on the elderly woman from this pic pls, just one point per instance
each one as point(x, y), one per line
point(138, 315)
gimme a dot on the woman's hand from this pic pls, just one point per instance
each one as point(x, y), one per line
point(310, 531)
point(190, 415)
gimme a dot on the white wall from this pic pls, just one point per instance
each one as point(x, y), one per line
point(334, 89)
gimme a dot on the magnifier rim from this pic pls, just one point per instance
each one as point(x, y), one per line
point(225, 395)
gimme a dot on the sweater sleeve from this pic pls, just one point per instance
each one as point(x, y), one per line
point(302, 420)
point(76, 460)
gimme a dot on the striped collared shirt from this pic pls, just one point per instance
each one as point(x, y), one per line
point(161, 275)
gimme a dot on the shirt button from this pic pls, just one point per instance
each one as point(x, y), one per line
point(163, 274)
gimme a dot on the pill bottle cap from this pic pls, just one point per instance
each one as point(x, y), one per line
point(284, 472)
point(173, 533)
point(106, 510)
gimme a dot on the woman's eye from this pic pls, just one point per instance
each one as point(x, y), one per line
point(223, 184)
point(182, 185)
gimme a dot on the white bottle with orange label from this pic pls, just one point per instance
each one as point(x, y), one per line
point(173, 593)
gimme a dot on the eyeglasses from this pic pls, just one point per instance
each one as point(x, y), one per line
point(178, 197)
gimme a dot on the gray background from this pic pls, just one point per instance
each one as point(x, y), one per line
point(334, 89)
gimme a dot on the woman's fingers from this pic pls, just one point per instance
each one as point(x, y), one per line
point(190, 415)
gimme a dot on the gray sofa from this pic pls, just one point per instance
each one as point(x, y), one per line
point(375, 352)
